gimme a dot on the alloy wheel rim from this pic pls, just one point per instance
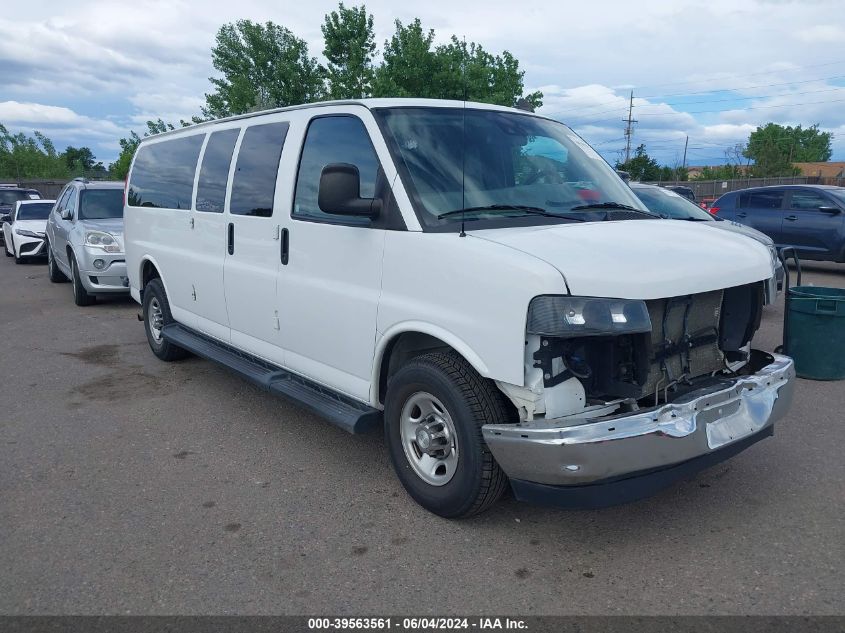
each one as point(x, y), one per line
point(429, 439)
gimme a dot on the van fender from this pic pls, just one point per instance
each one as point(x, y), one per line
point(140, 273)
point(420, 327)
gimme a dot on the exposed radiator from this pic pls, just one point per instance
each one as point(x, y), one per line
point(684, 338)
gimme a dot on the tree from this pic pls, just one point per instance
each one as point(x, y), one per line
point(409, 63)
point(350, 44)
point(641, 166)
point(774, 148)
point(412, 67)
point(721, 172)
point(33, 156)
point(79, 159)
point(264, 65)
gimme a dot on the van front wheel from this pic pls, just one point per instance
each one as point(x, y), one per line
point(434, 410)
point(156, 316)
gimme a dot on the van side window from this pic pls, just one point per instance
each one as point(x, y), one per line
point(334, 139)
point(254, 183)
point(761, 200)
point(163, 173)
point(214, 173)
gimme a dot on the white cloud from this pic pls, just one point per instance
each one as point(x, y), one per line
point(118, 64)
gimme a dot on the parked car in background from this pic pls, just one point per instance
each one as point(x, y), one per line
point(686, 192)
point(476, 279)
point(24, 233)
point(668, 204)
point(85, 240)
point(9, 195)
point(809, 217)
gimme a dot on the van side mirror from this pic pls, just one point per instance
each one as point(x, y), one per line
point(830, 210)
point(67, 214)
point(340, 192)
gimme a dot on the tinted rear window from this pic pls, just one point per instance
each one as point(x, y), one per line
point(101, 204)
point(214, 173)
point(163, 174)
point(761, 200)
point(254, 183)
point(8, 198)
point(40, 211)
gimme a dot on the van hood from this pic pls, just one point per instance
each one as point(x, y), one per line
point(640, 259)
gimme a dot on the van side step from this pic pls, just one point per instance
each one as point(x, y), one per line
point(340, 410)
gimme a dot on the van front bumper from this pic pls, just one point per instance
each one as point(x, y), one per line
point(633, 455)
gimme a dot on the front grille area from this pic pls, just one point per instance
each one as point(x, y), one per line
point(684, 339)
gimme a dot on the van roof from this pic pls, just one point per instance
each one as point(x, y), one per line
point(367, 103)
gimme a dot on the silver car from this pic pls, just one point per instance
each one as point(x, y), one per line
point(85, 240)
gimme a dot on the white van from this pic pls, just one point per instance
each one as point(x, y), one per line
point(475, 278)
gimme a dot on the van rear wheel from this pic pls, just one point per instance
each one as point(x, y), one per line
point(434, 410)
point(156, 317)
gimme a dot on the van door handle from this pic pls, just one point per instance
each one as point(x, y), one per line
point(791, 218)
point(231, 238)
point(741, 215)
point(285, 246)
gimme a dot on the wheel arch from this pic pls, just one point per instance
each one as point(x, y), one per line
point(403, 342)
point(149, 269)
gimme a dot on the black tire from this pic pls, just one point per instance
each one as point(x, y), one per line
point(80, 295)
point(471, 402)
point(53, 272)
point(155, 298)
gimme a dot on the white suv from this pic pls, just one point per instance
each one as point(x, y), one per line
point(475, 277)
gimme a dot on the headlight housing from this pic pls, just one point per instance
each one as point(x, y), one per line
point(567, 317)
point(105, 241)
point(25, 233)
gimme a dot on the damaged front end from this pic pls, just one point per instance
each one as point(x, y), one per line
point(617, 389)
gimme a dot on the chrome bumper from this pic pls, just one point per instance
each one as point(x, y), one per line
point(560, 453)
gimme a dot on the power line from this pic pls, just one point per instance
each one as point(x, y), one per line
point(756, 74)
point(712, 91)
point(782, 105)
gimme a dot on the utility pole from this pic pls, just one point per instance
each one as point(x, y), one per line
point(684, 162)
point(629, 128)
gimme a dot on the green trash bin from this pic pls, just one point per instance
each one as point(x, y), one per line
point(815, 331)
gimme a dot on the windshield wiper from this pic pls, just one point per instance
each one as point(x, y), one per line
point(500, 207)
point(609, 205)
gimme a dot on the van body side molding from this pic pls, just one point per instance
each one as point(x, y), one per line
point(350, 415)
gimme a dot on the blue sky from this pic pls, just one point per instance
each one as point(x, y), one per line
point(87, 72)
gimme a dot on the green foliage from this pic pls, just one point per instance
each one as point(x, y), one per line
point(263, 66)
point(722, 172)
point(23, 157)
point(350, 44)
point(641, 166)
point(414, 67)
point(774, 148)
point(409, 63)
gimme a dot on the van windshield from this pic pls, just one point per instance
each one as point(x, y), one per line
point(499, 166)
point(101, 204)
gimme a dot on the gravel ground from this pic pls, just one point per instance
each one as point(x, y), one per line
point(128, 485)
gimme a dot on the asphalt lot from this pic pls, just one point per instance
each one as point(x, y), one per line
point(128, 485)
